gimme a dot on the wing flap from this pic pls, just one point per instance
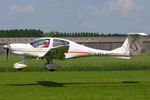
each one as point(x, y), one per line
point(57, 52)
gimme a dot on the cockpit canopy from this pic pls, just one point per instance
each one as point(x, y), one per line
point(40, 43)
point(59, 42)
point(45, 43)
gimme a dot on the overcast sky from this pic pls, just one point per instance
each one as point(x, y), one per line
point(103, 16)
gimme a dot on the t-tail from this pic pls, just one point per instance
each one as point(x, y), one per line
point(131, 46)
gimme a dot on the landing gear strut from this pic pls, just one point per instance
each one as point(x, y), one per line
point(49, 65)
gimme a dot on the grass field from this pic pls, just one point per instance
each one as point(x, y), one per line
point(93, 78)
point(100, 63)
point(89, 85)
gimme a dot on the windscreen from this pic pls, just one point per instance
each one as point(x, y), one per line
point(41, 43)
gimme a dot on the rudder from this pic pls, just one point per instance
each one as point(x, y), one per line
point(131, 46)
point(135, 43)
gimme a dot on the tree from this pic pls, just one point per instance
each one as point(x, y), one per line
point(21, 33)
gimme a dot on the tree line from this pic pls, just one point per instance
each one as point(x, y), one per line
point(79, 34)
point(21, 33)
point(39, 33)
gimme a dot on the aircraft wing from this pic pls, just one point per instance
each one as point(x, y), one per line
point(57, 52)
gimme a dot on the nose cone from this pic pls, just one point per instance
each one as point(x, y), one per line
point(6, 47)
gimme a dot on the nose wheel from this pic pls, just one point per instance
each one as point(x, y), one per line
point(20, 65)
point(19, 69)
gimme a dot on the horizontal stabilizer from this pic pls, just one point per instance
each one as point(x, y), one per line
point(140, 34)
point(122, 57)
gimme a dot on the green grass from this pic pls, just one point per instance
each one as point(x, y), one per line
point(100, 63)
point(89, 85)
point(90, 78)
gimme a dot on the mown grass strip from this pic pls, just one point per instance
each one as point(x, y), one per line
point(98, 63)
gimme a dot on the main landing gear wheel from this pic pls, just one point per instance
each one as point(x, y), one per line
point(51, 67)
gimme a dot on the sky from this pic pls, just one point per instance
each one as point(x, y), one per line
point(103, 16)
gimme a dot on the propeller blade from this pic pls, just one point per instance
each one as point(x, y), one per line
point(7, 53)
point(7, 47)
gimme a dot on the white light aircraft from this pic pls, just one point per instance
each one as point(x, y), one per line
point(57, 48)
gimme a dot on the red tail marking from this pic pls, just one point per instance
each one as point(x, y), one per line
point(131, 46)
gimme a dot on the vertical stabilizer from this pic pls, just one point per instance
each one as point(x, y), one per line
point(131, 46)
point(135, 43)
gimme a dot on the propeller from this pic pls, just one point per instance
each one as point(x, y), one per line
point(7, 48)
point(7, 52)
